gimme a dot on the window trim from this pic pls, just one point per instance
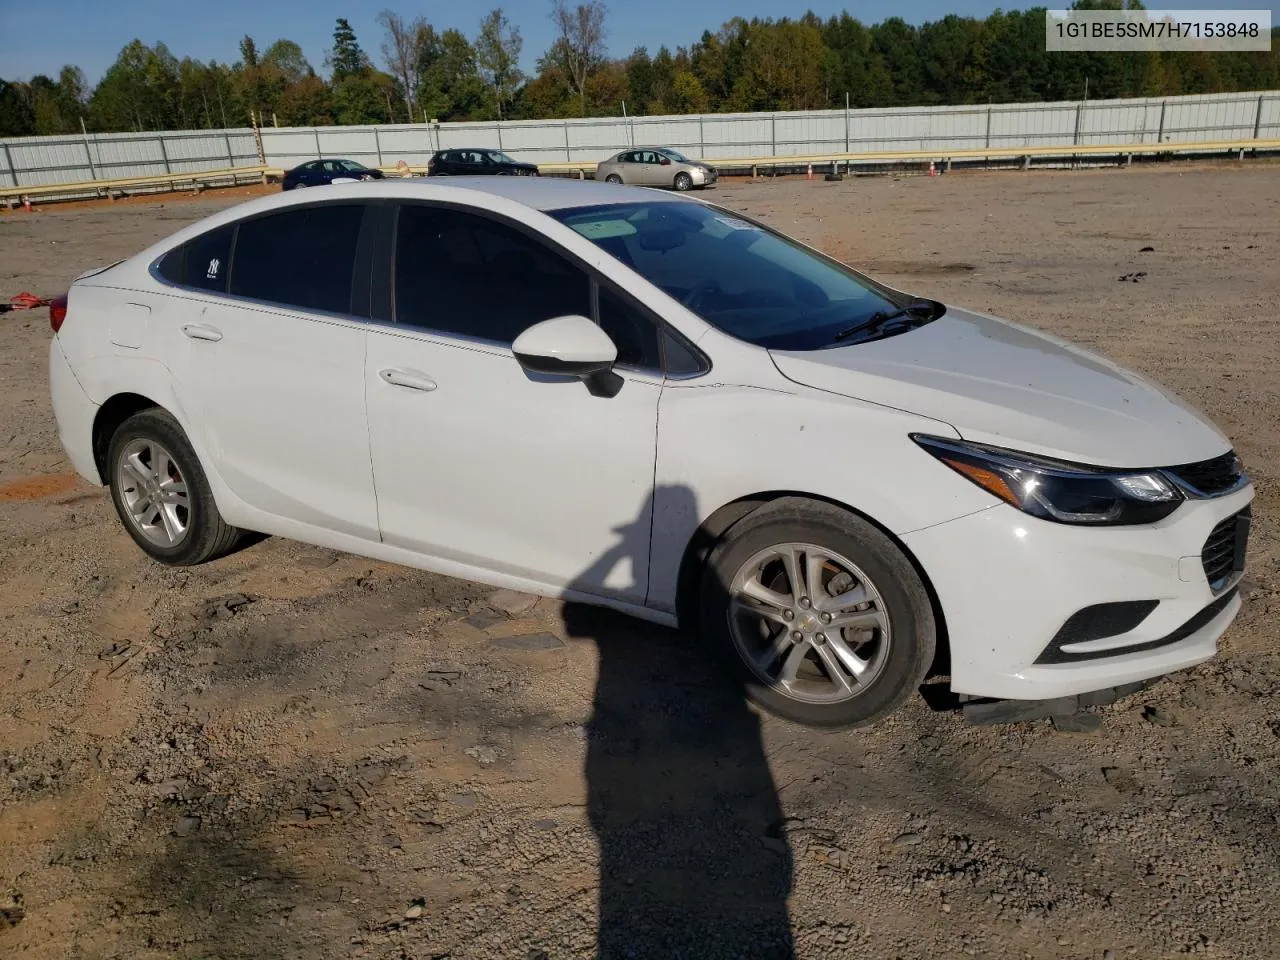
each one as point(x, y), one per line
point(594, 277)
point(364, 250)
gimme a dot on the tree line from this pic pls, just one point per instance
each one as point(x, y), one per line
point(785, 64)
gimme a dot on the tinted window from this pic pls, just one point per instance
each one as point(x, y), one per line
point(634, 333)
point(170, 265)
point(208, 259)
point(301, 258)
point(680, 359)
point(460, 273)
point(752, 283)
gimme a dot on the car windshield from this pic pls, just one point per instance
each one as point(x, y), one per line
point(742, 278)
point(497, 156)
point(676, 155)
point(350, 165)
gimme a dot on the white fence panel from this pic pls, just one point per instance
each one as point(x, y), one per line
point(1237, 116)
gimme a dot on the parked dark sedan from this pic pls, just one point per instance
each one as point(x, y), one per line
point(318, 173)
point(477, 161)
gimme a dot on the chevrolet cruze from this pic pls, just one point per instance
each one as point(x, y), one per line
point(635, 399)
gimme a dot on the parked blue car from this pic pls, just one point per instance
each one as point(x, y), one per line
point(318, 173)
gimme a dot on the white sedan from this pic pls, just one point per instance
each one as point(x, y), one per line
point(644, 401)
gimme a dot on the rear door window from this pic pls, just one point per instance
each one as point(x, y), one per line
point(301, 257)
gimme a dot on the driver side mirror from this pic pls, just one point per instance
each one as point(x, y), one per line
point(665, 161)
point(570, 346)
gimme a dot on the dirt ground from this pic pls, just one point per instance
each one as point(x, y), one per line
point(297, 753)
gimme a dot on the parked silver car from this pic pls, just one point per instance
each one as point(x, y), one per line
point(656, 167)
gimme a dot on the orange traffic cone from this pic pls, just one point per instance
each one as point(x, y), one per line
point(933, 171)
point(810, 175)
point(26, 204)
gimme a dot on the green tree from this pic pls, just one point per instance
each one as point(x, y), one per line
point(450, 87)
point(347, 59)
point(687, 95)
point(578, 50)
point(498, 49)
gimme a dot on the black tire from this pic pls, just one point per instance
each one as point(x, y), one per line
point(613, 178)
point(207, 535)
point(683, 182)
point(912, 628)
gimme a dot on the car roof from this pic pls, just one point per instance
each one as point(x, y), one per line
point(537, 193)
point(542, 194)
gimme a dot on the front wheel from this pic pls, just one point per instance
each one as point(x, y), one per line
point(683, 182)
point(820, 614)
point(161, 493)
point(613, 178)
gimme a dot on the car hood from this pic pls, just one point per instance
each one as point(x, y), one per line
point(1000, 383)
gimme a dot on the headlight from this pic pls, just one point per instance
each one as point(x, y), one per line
point(1059, 491)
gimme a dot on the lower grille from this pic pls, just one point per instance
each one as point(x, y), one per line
point(1224, 551)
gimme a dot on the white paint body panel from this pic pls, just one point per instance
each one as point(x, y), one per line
point(524, 475)
point(1007, 385)
point(444, 454)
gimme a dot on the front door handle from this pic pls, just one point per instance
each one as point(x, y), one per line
point(411, 379)
point(198, 331)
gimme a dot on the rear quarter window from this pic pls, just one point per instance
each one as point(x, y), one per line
point(170, 266)
point(208, 260)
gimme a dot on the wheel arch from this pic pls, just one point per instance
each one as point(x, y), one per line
point(117, 409)
point(721, 520)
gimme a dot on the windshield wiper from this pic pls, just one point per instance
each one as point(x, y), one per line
point(881, 317)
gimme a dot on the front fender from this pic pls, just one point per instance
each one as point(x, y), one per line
point(718, 444)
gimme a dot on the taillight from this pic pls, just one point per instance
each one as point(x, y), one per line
point(57, 312)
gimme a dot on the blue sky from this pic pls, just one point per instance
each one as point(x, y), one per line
point(39, 37)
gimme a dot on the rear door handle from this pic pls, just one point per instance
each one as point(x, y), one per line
point(411, 379)
point(198, 331)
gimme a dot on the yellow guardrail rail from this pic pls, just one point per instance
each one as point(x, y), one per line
point(173, 180)
point(262, 174)
point(987, 153)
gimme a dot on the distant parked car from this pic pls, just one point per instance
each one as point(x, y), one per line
point(656, 167)
point(318, 173)
point(477, 161)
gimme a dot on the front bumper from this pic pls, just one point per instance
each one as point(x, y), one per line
point(1008, 582)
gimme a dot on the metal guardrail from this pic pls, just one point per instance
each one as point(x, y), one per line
point(104, 188)
point(264, 174)
point(991, 153)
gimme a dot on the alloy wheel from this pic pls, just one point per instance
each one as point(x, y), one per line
point(808, 623)
point(154, 492)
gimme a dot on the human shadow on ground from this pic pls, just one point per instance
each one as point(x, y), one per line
point(693, 860)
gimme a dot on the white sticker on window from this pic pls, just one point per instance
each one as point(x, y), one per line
point(214, 266)
point(603, 229)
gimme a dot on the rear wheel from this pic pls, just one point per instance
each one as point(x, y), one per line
point(613, 178)
point(161, 493)
point(683, 182)
point(821, 615)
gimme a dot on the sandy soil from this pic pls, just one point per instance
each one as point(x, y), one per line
point(297, 753)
